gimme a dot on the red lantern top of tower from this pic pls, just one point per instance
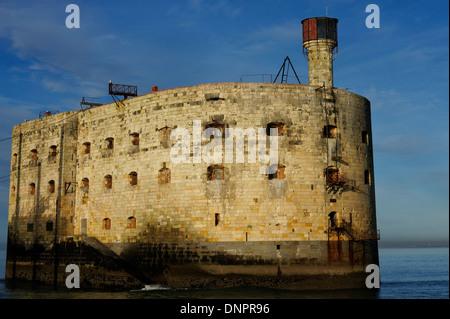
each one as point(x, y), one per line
point(321, 28)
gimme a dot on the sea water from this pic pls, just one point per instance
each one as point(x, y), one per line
point(406, 273)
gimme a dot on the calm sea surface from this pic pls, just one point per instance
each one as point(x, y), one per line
point(406, 273)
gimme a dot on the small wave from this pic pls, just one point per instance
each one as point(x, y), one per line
point(151, 288)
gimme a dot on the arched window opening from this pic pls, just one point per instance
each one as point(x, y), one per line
point(108, 181)
point(216, 219)
point(32, 189)
point(332, 220)
point(52, 151)
point(52, 154)
point(85, 190)
point(86, 148)
point(33, 155)
point(106, 223)
point(131, 222)
point(85, 183)
point(133, 178)
point(51, 187)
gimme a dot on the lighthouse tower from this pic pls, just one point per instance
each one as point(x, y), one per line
point(320, 40)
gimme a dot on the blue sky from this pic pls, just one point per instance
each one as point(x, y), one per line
point(402, 68)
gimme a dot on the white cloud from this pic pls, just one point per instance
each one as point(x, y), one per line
point(268, 38)
point(62, 59)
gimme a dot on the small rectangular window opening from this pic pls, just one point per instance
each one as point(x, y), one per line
point(86, 148)
point(135, 139)
point(330, 131)
point(216, 172)
point(365, 137)
point(281, 128)
point(109, 143)
point(216, 219)
point(133, 178)
point(279, 173)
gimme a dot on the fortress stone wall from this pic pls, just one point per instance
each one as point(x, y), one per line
point(134, 183)
point(182, 205)
point(115, 179)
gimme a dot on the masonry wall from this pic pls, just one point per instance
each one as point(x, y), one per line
point(43, 159)
point(250, 206)
point(115, 179)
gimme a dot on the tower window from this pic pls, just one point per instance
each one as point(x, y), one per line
point(52, 151)
point(32, 189)
point(86, 148)
point(164, 176)
point(330, 131)
point(131, 222)
point(216, 172)
point(219, 126)
point(85, 183)
point(51, 187)
point(49, 226)
point(85, 189)
point(33, 155)
point(133, 178)
point(106, 223)
point(30, 227)
point(109, 143)
point(279, 173)
point(108, 181)
point(367, 178)
point(281, 128)
point(334, 177)
point(365, 137)
point(164, 134)
point(332, 220)
point(216, 219)
point(134, 138)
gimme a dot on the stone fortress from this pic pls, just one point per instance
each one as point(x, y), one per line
point(99, 187)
